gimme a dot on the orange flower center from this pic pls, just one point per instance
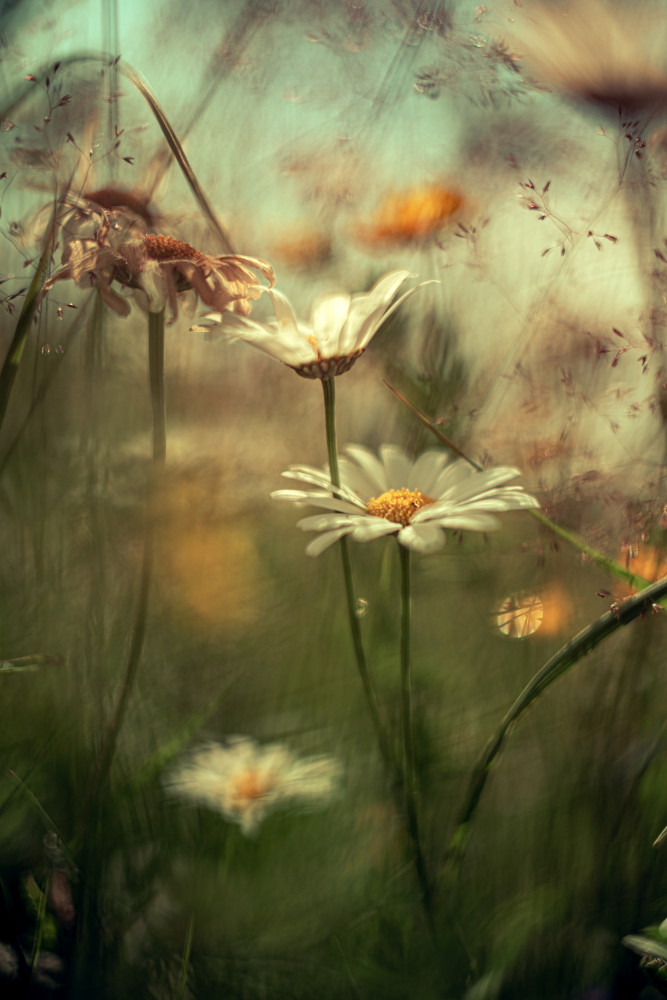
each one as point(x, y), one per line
point(165, 248)
point(251, 785)
point(398, 506)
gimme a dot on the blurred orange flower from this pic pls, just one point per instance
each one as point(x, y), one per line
point(302, 249)
point(522, 614)
point(413, 215)
point(643, 560)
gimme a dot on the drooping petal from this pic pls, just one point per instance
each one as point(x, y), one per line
point(324, 522)
point(368, 528)
point(326, 503)
point(325, 540)
point(284, 313)
point(422, 537)
point(464, 521)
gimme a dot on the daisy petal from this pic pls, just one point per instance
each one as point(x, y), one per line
point(325, 540)
point(373, 527)
point(396, 464)
point(422, 537)
point(371, 465)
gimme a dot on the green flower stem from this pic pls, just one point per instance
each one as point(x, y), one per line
point(328, 387)
point(403, 784)
point(409, 765)
point(612, 567)
point(569, 654)
point(156, 378)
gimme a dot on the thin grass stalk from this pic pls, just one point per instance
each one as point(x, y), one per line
point(12, 360)
point(187, 949)
point(39, 929)
point(156, 378)
point(407, 726)
point(328, 387)
point(569, 654)
point(612, 567)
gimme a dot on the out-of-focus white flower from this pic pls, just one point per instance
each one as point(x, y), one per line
point(107, 247)
point(391, 494)
point(339, 331)
point(610, 53)
point(245, 781)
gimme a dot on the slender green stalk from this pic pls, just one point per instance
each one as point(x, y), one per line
point(409, 764)
point(569, 654)
point(186, 957)
point(12, 360)
point(39, 929)
point(328, 387)
point(156, 378)
point(612, 567)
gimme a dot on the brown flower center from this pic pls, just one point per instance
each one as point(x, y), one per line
point(325, 368)
point(398, 506)
point(165, 248)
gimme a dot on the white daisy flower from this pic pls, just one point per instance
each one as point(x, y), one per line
point(245, 781)
point(394, 495)
point(340, 328)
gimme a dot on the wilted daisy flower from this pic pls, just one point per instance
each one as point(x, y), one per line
point(245, 781)
point(108, 247)
point(339, 331)
point(394, 495)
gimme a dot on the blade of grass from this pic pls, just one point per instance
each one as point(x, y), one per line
point(186, 958)
point(569, 654)
point(12, 360)
point(179, 154)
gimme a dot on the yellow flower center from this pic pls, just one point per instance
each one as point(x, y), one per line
point(165, 248)
point(398, 506)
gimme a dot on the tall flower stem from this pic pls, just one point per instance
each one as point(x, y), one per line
point(328, 387)
point(156, 379)
point(409, 765)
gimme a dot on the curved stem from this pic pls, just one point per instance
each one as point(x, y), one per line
point(569, 654)
point(156, 378)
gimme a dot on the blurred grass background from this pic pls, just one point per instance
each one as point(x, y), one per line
point(298, 119)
